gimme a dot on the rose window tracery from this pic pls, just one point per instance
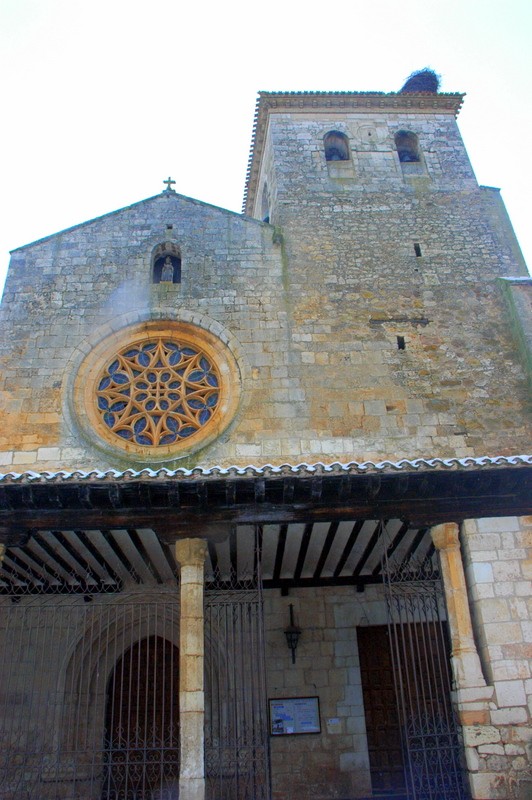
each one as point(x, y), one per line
point(158, 392)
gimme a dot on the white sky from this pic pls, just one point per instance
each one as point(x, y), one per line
point(104, 99)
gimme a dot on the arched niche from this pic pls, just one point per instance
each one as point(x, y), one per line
point(166, 263)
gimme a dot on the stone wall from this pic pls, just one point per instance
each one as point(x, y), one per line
point(497, 555)
point(351, 343)
point(355, 284)
point(333, 764)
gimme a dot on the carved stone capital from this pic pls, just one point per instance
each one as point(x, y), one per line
point(445, 537)
point(190, 552)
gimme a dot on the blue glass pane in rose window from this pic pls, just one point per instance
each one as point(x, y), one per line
point(113, 367)
point(102, 403)
point(212, 380)
point(142, 440)
point(118, 406)
point(212, 400)
point(109, 419)
point(188, 430)
point(168, 439)
point(174, 358)
point(120, 378)
point(150, 405)
point(188, 351)
point(144, 359)
point(195, 403)
point(104, 383)
point(139, 425)
point(204, 416)
point(172, 424)
point(131, 353)
point(125, 434)
point(196, 376)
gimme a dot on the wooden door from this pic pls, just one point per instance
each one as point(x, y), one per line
point(380, 706)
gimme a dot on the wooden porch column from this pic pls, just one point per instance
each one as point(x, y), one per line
point(466, 663)
point(190, 555)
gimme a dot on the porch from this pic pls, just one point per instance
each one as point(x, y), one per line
point(93, 613)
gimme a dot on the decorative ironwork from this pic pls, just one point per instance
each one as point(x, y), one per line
point(96, 716)
point(236, 719)
point(158, 392)
point(420, 653)
point(88, 707)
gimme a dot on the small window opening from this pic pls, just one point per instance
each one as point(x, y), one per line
point(336, 146)
point(265, 204)
point(169, 227)
point(407, 146)
point(417, 249)
point(401, 343)
point(166, 261)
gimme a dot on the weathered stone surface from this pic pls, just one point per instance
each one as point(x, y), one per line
point(475, 735)
point(362, 325)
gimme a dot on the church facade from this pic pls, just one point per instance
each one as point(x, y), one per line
point(265, 498)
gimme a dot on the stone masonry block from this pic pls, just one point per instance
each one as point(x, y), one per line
point(475, 735)
point(510, 693)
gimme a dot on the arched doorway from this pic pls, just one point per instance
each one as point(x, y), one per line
point(142, 722)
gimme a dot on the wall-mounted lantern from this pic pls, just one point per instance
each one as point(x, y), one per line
point(292, 634)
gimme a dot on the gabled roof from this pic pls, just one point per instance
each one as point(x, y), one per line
point(165, 194)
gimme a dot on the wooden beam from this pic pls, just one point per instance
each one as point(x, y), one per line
point(181, 521)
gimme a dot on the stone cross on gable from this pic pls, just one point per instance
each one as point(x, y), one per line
point(169, 183)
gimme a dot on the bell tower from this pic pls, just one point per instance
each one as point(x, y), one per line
point(309, 146)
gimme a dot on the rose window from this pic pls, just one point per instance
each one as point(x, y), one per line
point(158, 392)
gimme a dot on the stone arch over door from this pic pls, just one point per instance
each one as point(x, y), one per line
point(111, 630)
point(141, 742)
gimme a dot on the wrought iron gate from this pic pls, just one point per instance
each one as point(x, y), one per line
point(420, 652)
point(89, 694)
point(236, 729)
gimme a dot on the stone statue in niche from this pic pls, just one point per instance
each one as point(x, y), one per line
point(167, 272)
point(167, 269)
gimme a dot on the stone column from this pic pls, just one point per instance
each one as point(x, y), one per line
point(466, 663)
point(190, 555)
point(471, 695)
